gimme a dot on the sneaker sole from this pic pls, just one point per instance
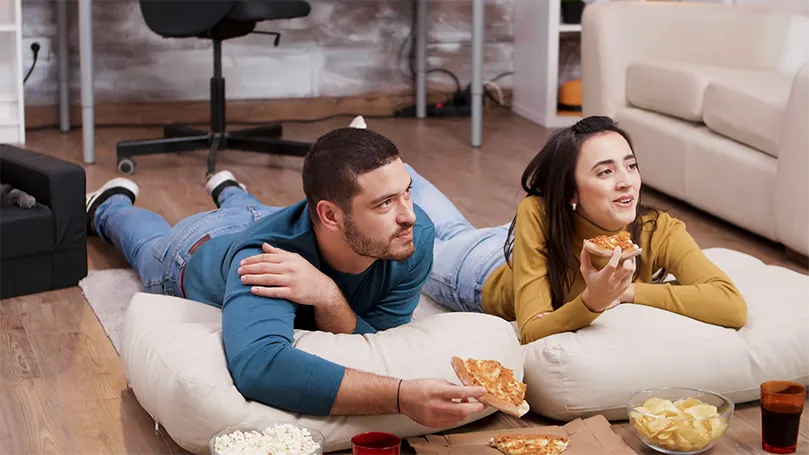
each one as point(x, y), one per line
point(115, 186)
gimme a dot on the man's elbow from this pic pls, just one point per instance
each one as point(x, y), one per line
point(253, 375)
point(250, 385)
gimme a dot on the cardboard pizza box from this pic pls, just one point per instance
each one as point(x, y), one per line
point(587, 436)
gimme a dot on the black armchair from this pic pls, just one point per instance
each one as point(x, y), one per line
point(44, 247)
point(216, 20)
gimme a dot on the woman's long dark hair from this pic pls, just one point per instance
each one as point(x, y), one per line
point(551, 176)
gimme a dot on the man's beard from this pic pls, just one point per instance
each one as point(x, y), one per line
point(376, 248)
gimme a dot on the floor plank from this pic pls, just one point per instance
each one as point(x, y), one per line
point(31, 421)
point(61, 378)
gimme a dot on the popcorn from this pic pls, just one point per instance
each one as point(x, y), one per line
point(279, 439)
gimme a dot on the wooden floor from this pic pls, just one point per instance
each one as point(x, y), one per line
point(63, 389)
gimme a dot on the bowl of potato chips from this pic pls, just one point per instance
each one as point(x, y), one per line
point(677, 420)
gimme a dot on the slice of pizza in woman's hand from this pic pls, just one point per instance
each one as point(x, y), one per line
point(503, 391)
point(603, 245)
point(529, 444)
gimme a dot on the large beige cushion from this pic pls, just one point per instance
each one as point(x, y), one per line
point(633, 347)
point(174, 362)
point(749, 109)
point(679, 89)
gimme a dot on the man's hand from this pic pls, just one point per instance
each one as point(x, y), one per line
point(284, 275)
point(431, 402)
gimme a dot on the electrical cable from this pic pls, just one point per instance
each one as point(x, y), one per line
point(411, 76)
point(501, 75)
point(35, 49)
point(451, 74)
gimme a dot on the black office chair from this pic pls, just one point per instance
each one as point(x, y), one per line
point(216, 20)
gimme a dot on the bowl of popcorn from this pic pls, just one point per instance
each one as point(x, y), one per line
point(267, 438)
point(679, 420)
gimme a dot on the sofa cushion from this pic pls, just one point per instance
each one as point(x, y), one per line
point(633, 347)
point(26, 232)
point(749, 109)
point(678, 89)
point(731, 180)
point(661, 145)
point(710, 171)
point(176, 367)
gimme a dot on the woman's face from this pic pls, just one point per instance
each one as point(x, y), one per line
point(608, 181)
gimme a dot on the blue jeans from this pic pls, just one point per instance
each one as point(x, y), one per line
point(464, 256)
point(159, 252)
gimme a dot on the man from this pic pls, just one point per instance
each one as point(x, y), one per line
point(349, 258)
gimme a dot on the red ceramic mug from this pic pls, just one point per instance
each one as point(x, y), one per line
point(376, 443)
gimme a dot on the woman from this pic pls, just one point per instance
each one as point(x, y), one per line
point(584, 182)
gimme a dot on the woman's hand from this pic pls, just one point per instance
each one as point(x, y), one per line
point(608, 287)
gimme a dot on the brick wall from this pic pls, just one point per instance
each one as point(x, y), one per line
point(344, 47)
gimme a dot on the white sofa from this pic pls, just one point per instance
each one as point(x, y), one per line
point(716, 99)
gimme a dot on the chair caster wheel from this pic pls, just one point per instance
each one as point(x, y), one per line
point(126, 166)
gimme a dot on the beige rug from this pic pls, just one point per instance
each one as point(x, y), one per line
point(109, 293)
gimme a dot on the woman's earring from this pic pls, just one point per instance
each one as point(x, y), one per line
point(573, 205)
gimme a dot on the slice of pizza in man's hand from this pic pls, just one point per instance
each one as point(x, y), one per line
point(503, 391)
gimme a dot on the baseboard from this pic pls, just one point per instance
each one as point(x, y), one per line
point(197, 112)
point(796, 257)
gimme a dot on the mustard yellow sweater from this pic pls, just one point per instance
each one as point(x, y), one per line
point(522, 291)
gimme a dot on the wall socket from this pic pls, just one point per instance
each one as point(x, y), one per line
point(44, 48)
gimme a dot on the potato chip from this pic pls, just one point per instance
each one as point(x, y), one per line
point(682, 426)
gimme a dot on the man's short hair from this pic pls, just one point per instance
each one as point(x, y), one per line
point(336, 159)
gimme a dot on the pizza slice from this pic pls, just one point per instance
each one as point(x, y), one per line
point(504, 392)
point(603, 245)
point(529, 444)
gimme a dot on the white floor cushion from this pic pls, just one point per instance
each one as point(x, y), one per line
point(635, 347)
point(174, 362)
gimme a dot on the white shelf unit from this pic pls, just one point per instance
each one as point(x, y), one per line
point(12, 104)
point(537, 31)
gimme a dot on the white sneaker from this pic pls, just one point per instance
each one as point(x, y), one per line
point(115, 186)
point(219, 181)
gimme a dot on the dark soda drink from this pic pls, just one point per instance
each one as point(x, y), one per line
point(779, 428)
point(781, 408)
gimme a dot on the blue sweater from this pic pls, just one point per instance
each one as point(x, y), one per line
point(257, 331)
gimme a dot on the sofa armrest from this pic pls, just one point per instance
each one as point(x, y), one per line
point(56, 183)
point(792, 182)
point(617, 34)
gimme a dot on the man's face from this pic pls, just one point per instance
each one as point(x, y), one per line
point(380, 221)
